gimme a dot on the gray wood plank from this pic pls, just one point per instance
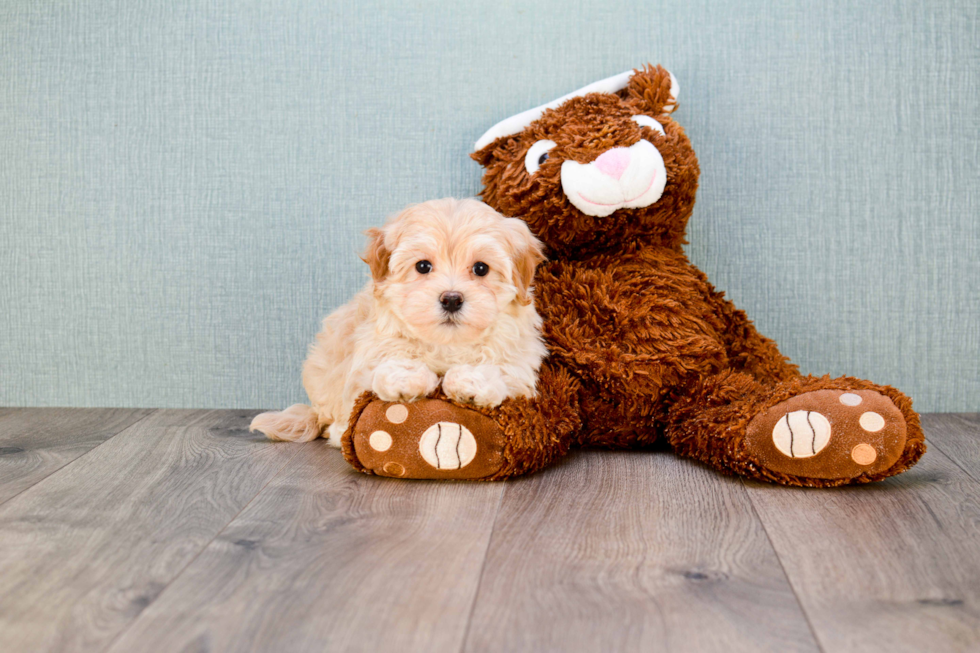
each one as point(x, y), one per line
point(35, 442)
point(327, 559)
point(632, 551)
point(84, 551)
point(892, 566)
point(958, 436)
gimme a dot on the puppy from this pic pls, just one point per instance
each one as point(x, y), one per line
point(449, 299)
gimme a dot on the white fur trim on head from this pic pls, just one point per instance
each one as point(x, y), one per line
point(517, 123)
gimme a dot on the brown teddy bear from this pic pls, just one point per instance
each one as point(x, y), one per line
point(642, 348)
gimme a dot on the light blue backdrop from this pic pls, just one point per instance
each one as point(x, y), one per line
point(183, 183)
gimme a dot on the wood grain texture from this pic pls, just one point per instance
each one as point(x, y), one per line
point(632, 551)
point(83, 552)
point(327, 559)
point(184, 532)
point(34, 442)
point(958, 436)
point(893, 566)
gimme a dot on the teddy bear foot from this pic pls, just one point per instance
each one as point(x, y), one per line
point(828, 434)
point(428, 438)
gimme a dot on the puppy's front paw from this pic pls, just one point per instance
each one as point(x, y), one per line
point(483, 385)
point(402, 380)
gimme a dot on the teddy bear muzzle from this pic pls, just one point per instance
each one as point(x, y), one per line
point(621, 177)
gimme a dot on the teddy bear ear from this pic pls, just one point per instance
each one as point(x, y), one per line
point(655, 89)
point(483, 156)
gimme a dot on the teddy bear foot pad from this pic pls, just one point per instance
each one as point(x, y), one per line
point(828, 434)
point(427, 439)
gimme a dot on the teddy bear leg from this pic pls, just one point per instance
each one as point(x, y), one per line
point(438, 438)
point(809, 431)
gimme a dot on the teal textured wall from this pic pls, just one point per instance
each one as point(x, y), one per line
point(183, 184)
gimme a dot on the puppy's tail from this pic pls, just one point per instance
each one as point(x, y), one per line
point(298, 423)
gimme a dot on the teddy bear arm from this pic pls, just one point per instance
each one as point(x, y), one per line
point(627, 330)
point(617, 371)
point(641, 367)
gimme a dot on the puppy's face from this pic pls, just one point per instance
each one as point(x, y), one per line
point(447, 268)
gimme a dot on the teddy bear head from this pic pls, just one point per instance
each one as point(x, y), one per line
point(603, 169)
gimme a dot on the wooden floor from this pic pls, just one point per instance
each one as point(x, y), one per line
point(143, 530)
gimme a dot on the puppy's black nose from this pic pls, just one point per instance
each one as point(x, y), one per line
point(451, 301)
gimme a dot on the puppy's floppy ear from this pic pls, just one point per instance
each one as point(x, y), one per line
point(376, 255)
point(526, 252)
point(654, 90)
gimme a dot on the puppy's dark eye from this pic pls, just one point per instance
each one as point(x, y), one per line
point(423, 267)
point(480, 268)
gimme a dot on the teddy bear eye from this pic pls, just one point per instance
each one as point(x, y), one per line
point(647, 121)
point(423, 267)
point(537, 155)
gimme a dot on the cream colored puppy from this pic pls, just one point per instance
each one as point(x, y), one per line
point(449, 299)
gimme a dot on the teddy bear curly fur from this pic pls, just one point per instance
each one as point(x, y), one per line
point(643, 350)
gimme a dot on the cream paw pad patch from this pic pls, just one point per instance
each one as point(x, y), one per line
point(427, 439)
point(829, 434)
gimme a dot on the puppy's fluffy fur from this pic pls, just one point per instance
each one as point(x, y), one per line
point(399, 337)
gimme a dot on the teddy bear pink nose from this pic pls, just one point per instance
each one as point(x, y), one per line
point(613, 162)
